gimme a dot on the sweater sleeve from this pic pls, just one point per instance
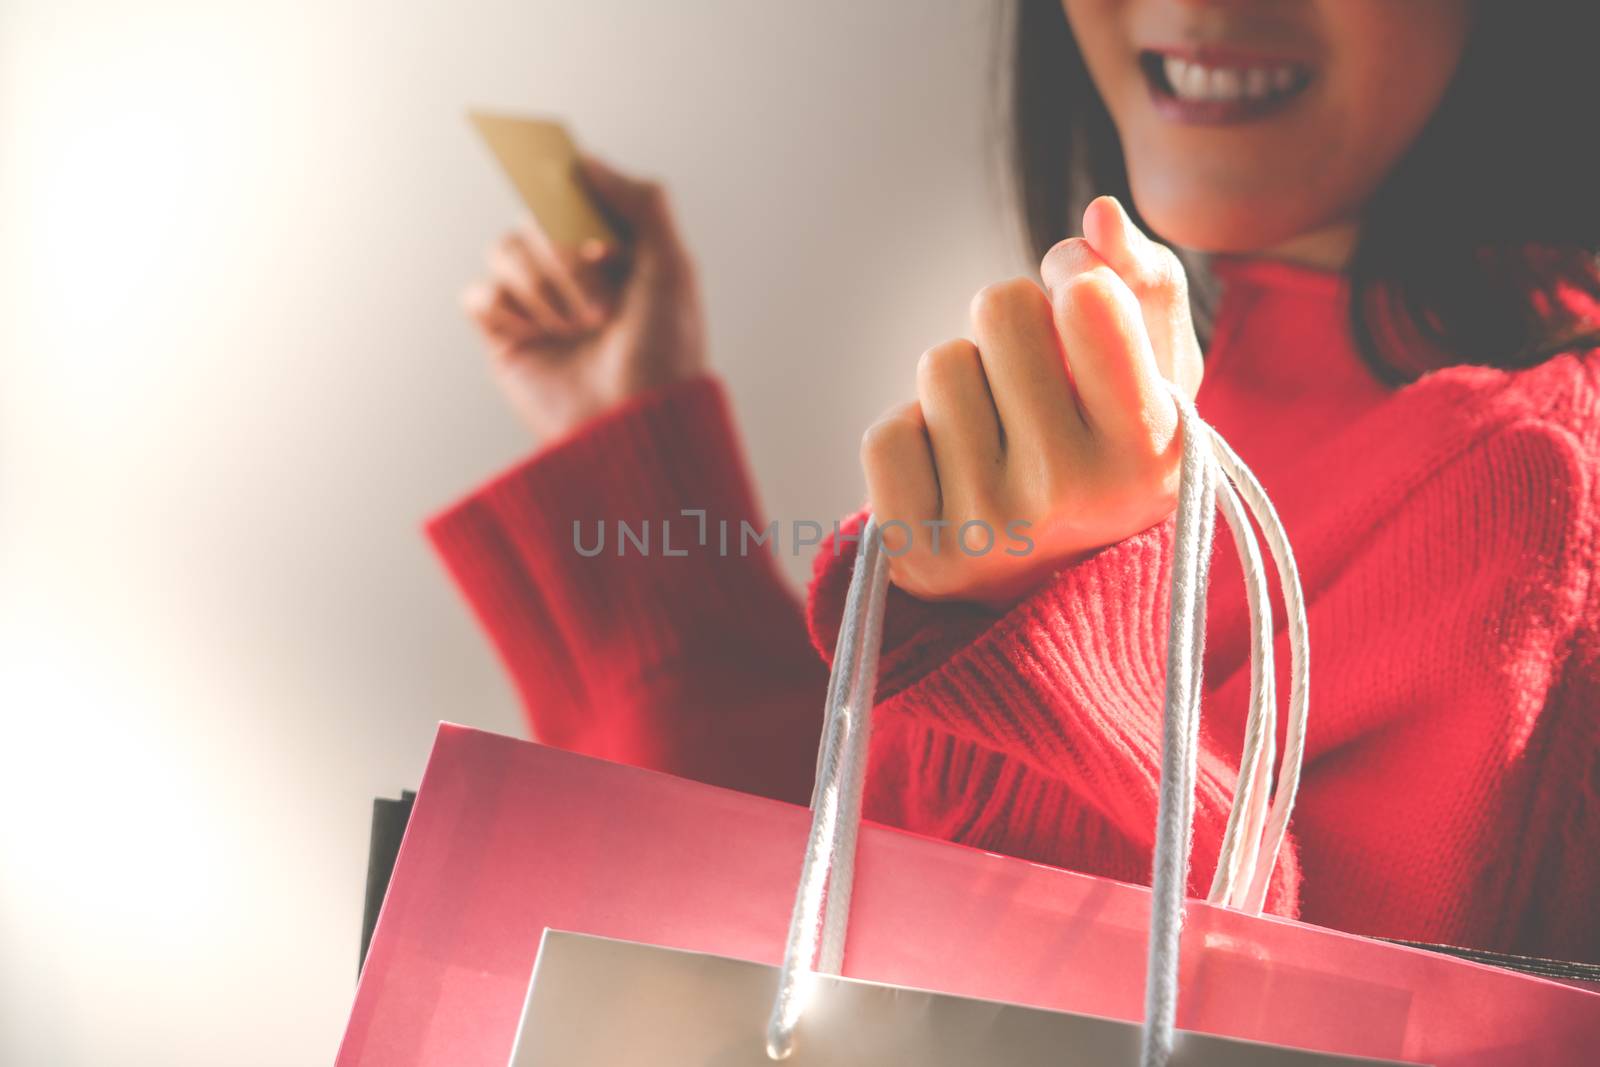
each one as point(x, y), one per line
point(618, 574)
point(1551, 900)
point(1554, 898)
point(1070, 681)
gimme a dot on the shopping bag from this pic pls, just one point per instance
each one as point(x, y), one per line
point(509, 840)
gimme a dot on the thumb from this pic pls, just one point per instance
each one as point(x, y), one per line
point(639, 207)
point(1156, 276)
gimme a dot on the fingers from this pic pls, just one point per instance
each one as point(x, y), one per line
point(1120, 389)
point(962, 425)
point(537, 292)
point(565, 272)
point(502, 321)
point(902, 485)
point(1055, 416)
point(1156, 277)
point(1022, 361)
point(514, 266)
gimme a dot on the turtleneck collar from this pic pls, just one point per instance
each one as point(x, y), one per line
point(1282, 368)
point(1279, 274)
point(1285, 326)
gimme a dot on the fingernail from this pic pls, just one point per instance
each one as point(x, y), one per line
point(593, 249)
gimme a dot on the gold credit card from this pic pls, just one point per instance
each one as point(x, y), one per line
point(539, 157)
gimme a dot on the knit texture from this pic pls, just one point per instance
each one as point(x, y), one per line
point(1446, 533)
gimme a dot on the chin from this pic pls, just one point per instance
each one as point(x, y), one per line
point(1204, 220)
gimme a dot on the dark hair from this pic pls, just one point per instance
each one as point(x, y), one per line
point(1469, 241)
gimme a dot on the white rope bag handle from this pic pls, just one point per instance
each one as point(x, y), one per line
point(1211, 475)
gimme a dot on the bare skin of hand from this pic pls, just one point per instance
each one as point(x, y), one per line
point(571, 332)
point(1056, 414)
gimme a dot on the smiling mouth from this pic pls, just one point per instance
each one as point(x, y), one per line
point(1200, 89)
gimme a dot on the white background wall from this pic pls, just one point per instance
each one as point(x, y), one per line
point(234, 380)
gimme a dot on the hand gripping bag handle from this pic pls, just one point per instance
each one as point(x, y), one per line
point(1211, 476)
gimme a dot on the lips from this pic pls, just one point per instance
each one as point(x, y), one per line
point(1214, 89)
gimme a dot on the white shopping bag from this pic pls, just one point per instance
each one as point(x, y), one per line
point(598, 1001)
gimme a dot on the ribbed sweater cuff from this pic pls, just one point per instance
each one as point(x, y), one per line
point(1102, 621)
point(541, 545)
point(1073, 678)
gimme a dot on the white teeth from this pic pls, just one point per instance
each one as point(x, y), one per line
point(1196, 81)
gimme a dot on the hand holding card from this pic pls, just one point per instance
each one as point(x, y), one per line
point(592, 302)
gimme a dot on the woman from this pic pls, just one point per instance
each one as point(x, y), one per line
point(1403, 231)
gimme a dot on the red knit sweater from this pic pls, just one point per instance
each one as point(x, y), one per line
point(1446, 534)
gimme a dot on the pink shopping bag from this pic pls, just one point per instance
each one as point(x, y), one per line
point(510, 838)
